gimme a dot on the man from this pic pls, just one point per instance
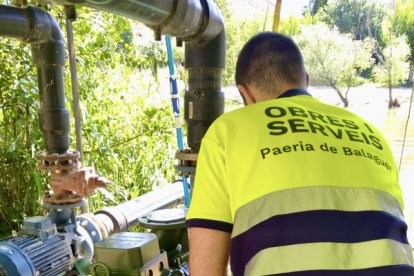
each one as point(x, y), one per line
point(290, 186)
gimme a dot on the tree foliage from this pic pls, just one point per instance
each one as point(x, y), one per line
point(292, 26)
point(333, 58)
point(392, 58)
point(403, 24)
point(20, 136)
point(128, 137)
point(361, 18)
point(315, 6)
point(392, 67)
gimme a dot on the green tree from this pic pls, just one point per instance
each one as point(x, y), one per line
point(333, 58)
point(361, 18)
point(292, 26)
point(392, 67)
point(315, 6)
point(403, 24)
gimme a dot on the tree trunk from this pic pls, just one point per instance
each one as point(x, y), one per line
point(411, 73)
point(346, 94)
point(391, 102)
point(338, 91)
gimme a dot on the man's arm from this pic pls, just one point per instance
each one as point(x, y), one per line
point(209, 251)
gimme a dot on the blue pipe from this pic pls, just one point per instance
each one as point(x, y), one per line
point(176, 112)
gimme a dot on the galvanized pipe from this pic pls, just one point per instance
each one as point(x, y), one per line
point(71, 16)
point(35, 26)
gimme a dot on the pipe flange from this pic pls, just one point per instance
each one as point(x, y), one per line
point(58, 162)
point(70, 205)
point(186, 156)
point(119, 221)
point(94, 230)
point(63, 200)
point(187, 162)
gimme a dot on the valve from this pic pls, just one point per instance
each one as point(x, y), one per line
point(69, 181)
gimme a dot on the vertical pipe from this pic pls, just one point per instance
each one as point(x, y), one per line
point(204, 100)
point(37, 27)
point(48, 50)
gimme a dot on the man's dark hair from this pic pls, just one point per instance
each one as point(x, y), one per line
point(268, 60)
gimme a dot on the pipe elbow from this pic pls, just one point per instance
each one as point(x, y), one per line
point(46, 38)
point(215, 22)
point(44, 27)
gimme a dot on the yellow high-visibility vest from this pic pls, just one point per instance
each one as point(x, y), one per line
point(302, 186)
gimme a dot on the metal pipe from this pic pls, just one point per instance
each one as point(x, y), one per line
point(70, 12)
point(35, 26)
point(121, 217)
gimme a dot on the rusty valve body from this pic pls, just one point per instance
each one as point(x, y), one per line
point(70, 183)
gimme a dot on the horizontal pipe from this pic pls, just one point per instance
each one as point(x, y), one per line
point(190, 20)
point(121, 217)
point(40, 29)
point(12, 24)
point(151, 12)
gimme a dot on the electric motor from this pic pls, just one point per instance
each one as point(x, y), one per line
point(37, 250)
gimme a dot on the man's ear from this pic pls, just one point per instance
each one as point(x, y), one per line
point(307, 79)
point(247, 94)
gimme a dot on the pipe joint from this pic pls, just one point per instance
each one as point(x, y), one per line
point(48, 46)
point(55, 126)
point(186, 20)
point(193, 21)
point(214, 24)
point(117, 220)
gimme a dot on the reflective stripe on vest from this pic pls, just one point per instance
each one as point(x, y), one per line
point(316, 228)
point(331, 256)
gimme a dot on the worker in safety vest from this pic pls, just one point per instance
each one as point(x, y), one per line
point(288, 185)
